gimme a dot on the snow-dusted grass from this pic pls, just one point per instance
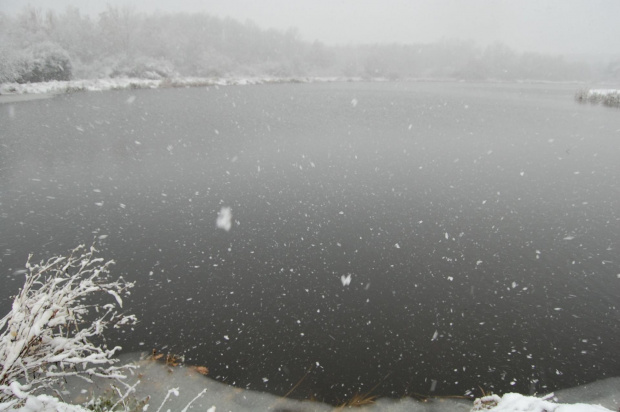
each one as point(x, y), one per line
point(607, 97)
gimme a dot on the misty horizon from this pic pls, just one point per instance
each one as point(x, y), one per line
point(125, 42)
point(572, 29)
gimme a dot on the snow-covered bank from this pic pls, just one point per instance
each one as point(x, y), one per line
point(156, 379)
point(59, 87)
point(608, 97)
point(10, 92)
point(514, 402)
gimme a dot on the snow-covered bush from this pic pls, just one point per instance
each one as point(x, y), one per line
point(611, 99)
point(143, 68)
point(208, 63)
point(8, 68)
point(44, 62)
point(608, 97)
point(49, 332)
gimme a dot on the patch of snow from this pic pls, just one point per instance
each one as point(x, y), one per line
point(46, 403)
point(603, 92)
point(514, 402)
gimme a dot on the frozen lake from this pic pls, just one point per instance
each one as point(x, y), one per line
point(407, 237)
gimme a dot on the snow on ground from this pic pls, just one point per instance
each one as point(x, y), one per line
point(58, 87)
point(514, 402)
point(602, 92)
point(157, 380)
point(46, 403)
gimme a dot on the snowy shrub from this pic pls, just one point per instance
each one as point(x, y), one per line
point(208, 63)
point(278, 69)
point(44, 62)
point(612, 99)
point(609, 98)
point(582, 95)
point(48, 333)
point(143, 68)
point(8, 65)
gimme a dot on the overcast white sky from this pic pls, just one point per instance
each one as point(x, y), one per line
point(548, 26)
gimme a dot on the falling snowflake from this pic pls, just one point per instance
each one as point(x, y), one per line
point(224, 219)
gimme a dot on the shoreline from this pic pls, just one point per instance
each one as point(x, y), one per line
point(589, 397)
point(72, 86)
point(9, 92)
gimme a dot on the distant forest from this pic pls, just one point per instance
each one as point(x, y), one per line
point(39, 45)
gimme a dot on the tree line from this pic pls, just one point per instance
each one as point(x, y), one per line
point(37, 45)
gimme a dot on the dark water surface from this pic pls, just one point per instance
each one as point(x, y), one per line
point(480, 225)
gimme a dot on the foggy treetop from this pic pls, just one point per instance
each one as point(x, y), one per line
point(38, 45)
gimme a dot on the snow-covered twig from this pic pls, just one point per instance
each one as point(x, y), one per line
point(172, 391)
point(122, 396)
point(193, 400)
point(47, 334)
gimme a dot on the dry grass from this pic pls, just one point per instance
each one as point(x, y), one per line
point(365, 399)
point(298, 383)
point(203, 370)
point(359, 400)
point(170, 358)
